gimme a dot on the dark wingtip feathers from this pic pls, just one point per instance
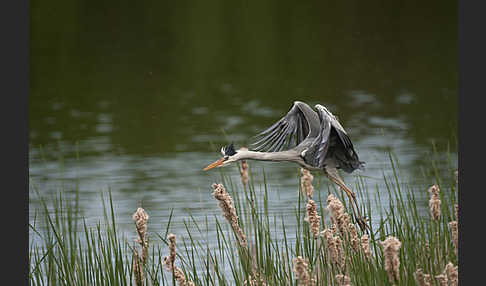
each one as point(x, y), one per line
point(229, 150)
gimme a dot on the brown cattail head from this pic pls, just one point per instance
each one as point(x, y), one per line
point(427, 280)
point(169, 265)
point(301, 270)
point(254, 280)
point(312, 218)
point(343, 280)
point(419, 277)
point(365, 245)
point(434, 202)
point(353, 234)
point(141, 217)
point(455, 234)
point(334, 247)
point(306, 182)
point(244, 172)
point(338, 215)
point(442, 279)
point(452, 274)
point(181, 278)
point(229, 211)
point(391, 247)
point(169, 260)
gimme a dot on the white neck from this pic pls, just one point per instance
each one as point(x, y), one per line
point(290, 156)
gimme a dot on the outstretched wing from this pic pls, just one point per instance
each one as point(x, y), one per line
point(343, 149)
point(300, 123)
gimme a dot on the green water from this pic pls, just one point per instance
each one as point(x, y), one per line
point(139, 97)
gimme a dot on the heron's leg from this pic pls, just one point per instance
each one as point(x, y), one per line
point(333, 174)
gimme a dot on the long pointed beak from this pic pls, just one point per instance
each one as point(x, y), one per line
point(215, 164)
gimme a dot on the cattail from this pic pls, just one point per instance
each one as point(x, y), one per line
point(244, 172)
point(353, 233)
point(452, 274)
point(434, 202)
point(306, 182)
point(419, 277)
point(442, 279)
point(391, 246)
point(312, 218)
point(229, 211)
point(141, 217)
point(365, 245)
point(169, 265)
point(427, 280)
point(169, 260)
point(343, 280)
point(301, 270)
point(334, 247)
point(338, 215)
point(455, 234)
point(254, 281)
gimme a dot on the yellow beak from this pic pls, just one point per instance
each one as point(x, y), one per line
point(215, 164)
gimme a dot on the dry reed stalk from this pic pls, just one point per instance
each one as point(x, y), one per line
point(244, 172)
point(457, 211)
point(427, 250)
point(434, 202)
point(343, 280)
point(138, 273)
point(141, 217)
point(454, 234)
point(452, 274)
point(301, 269)
point(229, 211)
point(334, 247)
point(365, 245)
point(169, 265)
point(306, 182)
point(312, 218)
point(391, 246)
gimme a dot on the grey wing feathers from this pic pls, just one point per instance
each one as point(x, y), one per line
point(341, 151)
point(322, 142)
point(289, 131)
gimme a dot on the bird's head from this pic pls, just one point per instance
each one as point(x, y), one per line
point(230, 155)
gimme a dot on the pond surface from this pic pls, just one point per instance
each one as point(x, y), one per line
point(139, 99)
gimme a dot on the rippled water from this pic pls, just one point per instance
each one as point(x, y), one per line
point(137, 100)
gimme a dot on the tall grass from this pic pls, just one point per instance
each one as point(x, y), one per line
point(71, 253)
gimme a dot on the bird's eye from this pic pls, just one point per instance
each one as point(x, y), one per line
point(226, 157)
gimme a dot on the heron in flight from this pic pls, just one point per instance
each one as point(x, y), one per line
point(313, 139)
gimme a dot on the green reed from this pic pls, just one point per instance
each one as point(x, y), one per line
point(71, 253)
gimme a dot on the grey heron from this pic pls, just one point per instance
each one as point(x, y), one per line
point(313, 139)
